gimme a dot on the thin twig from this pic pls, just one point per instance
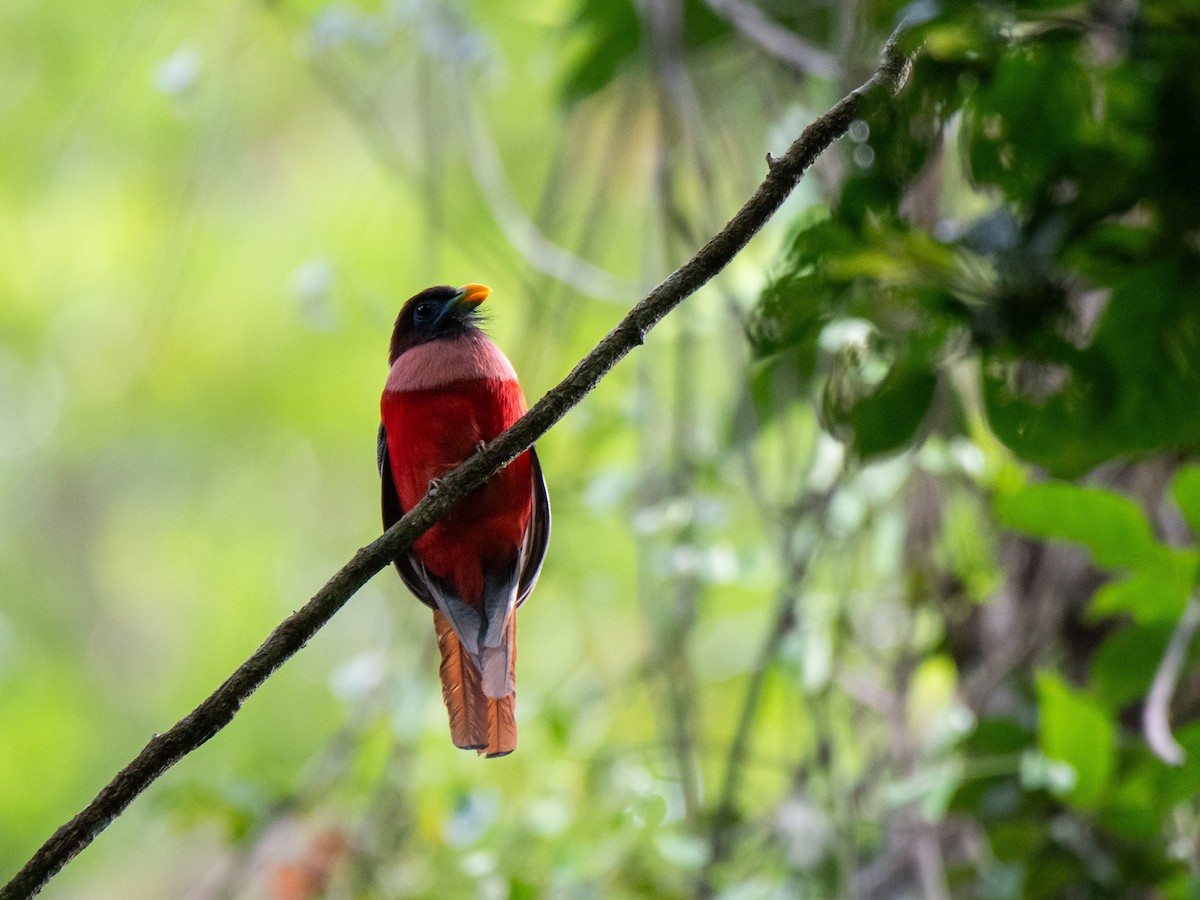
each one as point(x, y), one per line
point(538, 251)
point(1156, 724)
point(219, 708)
point(768, 35)
point(796, 561)
point(724, 816)
point(663, 21)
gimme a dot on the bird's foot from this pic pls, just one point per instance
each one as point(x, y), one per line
point(435, 485)
point(480, 447)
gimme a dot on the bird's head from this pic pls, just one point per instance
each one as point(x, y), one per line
point(437, 312)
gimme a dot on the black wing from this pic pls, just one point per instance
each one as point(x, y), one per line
point(392, 512)
point(537, 537)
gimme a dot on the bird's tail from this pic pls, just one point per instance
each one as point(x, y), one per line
point(477, 721)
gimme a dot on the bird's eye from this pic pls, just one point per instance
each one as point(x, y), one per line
point(424, 312)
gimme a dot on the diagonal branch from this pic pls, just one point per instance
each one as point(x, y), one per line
point(219, 708)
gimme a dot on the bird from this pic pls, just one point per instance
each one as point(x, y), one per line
point(449, 391)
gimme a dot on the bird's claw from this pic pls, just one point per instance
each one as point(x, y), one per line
point(435, 484)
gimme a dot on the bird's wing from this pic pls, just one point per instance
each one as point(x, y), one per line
point(381, 453)
point(392, 512)
point(431, 590)
point(537, 536)
point(507, 589)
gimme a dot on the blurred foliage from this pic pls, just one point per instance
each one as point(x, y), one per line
point(862, 568)
point(1069, 270)
point(1018, 224)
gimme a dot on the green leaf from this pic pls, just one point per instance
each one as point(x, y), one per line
point(998, 736)
point(1109, 525)
point(1185, 488)
point(1179, 783)
point(519, 889)
point(890, 417)
point(1157, 593)
point(1133, 389)
point(778, 382)
point(790, 315)
point(1075, 729)
point(1124, 665)
point(1016, 839)
point(1010, 141)
point(613, 38)
point(613, 31)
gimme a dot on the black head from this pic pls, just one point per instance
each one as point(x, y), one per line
point(437, 312)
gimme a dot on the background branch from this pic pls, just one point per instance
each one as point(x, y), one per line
point(1156, 714)
point(219, 708)
point(796, 562)
point(787, 46)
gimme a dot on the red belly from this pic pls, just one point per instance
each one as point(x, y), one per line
point(432, 431)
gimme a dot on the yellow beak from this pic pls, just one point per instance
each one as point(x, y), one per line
point(472, 294)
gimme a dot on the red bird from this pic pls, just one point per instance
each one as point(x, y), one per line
point(450, 390)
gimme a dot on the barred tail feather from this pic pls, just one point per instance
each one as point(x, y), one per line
point(462, 691)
